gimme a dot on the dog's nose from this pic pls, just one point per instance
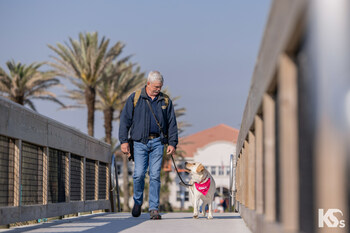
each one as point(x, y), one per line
point(186, 163)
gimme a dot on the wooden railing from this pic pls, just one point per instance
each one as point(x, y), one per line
point(48, 169)
point(293, 157)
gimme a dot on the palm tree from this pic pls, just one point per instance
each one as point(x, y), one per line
point(119, 81)
point(26, 83)
point(83, 63)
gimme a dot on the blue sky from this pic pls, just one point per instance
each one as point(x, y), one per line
point(206, 50)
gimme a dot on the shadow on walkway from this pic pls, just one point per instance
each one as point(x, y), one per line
point(88, 224)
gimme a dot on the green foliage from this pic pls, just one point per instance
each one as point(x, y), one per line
point(83, 62)
point(119, 81)
point(26, 83)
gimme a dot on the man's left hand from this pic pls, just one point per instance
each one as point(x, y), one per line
point(170, 150)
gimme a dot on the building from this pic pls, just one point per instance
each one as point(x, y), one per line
point(211, 147)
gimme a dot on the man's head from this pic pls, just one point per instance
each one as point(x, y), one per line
point(154, 83)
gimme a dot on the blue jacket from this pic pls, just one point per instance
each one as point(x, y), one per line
point(137, 120)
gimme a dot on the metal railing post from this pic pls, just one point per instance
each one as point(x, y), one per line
point(117, 185)
point(114, 186)
point(232, 182)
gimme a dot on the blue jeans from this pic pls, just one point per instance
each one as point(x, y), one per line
point(150, 154)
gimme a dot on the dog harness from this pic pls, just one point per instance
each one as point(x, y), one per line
point(203, 187)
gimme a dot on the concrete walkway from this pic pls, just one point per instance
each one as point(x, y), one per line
point(124, 222)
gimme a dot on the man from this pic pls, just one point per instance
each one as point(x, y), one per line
point(149, 139)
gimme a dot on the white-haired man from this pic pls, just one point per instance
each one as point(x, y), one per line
point(150, 132)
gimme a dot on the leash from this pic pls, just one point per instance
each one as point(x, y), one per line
point(182, 182)
point(172, 158)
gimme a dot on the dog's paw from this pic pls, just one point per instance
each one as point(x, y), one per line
point(204, 213)
point(195, 216)
point(210, 217)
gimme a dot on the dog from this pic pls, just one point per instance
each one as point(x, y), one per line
point(202, 188)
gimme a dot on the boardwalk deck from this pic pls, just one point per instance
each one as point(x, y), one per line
point(124, 222)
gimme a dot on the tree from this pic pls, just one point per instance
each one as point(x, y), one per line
point(119, 81)
point(26, 83)
point(83, 63)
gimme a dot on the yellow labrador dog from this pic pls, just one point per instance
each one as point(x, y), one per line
point(203, 188)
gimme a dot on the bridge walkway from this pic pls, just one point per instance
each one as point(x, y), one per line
point(124, 222)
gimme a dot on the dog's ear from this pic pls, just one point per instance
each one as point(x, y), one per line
point(200, 168)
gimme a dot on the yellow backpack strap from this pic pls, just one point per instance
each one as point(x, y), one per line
point(166, 100)
point(137, 97)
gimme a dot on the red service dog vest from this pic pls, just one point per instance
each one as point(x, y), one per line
point(204, 187)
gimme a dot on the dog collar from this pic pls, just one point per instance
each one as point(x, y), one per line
point(203, 187)
point(204, 179)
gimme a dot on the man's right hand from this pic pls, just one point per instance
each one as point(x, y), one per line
point(125, 148)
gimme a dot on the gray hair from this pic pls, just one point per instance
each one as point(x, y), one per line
point(155, 76)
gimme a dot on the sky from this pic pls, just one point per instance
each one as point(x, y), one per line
point(206, 50)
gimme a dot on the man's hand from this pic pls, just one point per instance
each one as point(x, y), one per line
point(170, 150)
point(125, 148)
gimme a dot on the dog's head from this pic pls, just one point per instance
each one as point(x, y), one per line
point(197, 170)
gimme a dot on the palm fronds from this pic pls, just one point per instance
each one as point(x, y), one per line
point(25, 83)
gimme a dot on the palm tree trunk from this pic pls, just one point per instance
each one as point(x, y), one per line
point(108, 115)
point(125, 183)
point(90, 96)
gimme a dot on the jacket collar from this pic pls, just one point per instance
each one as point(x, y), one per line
point(144, 94)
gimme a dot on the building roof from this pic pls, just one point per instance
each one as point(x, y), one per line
point(193, 142)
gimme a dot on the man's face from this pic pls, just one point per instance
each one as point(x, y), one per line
point(154, 87)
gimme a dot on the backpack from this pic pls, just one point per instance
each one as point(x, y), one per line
point(137, 97)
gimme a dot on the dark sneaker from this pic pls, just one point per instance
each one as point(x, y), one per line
point(136, 210)
point(154, 214)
